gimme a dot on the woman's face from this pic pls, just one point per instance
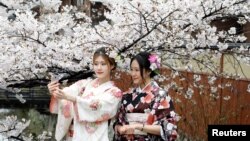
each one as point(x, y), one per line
point(101, 68)
point(135, 72)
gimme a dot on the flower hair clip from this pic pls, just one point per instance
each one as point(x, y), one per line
point(155, 62)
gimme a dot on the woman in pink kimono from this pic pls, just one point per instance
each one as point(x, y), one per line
point(147, 111)
point(89, 103)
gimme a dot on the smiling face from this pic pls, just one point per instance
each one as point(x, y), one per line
point(135, 72)
point(101, 67)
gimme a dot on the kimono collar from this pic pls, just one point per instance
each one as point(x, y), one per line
point(96, 83)
point(147, 88)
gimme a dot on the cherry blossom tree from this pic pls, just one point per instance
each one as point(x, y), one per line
point(12, 129)
point(41, 40)
point(36, 45)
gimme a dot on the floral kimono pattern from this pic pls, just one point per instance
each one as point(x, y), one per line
point(156, 104)
point(95, 105)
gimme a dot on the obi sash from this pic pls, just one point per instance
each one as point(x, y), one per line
point(137, 118)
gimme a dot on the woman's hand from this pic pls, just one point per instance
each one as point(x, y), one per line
point(120, 129)
point(53, 86)
point(62, 95)
point(128, 129)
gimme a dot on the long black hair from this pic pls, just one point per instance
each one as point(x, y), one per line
point(143, 60)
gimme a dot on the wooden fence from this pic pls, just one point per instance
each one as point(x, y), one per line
point(204, 101)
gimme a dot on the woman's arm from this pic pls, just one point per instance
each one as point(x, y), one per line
point(120, 118)
point(52, 87)
point(152, 129)
point(97, 108)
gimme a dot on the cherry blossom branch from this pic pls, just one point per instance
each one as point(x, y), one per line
point(240, 66)
point(146, 34)
point(214, 12)
point(72, 77)
point(32, 39)
point(17, 138)
point(188, 56)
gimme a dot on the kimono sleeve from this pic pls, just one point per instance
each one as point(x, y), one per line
point(121, 114)
point(74, 89)
point(97, 108)
point(166, 117)
point(65, 110)
point(53, 105)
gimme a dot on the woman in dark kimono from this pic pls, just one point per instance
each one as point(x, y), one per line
point(147, 111)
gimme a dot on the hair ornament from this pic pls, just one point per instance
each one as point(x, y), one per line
point(155, 63)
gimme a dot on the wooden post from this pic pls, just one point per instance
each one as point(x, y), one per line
point(222, 63)
point(220, 82)
point(246, 31)
point(66, 2)
point(87, 7)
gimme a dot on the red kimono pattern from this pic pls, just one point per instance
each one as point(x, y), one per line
point(154, 101)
